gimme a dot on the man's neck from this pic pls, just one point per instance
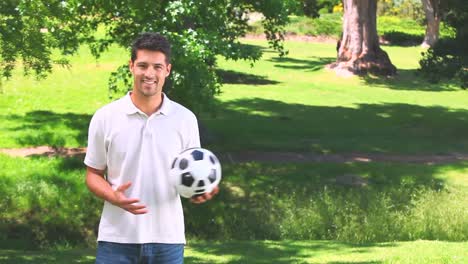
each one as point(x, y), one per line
point(147, 104)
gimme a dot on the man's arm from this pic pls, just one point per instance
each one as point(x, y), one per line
point(102, 189)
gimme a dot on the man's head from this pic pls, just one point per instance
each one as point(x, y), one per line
point(150, 64)
point(154, 42)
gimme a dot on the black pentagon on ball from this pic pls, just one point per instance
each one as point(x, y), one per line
point(187, 179)
point(197, 155)
point(212, 176)
point(183, 164)
point(201, 183)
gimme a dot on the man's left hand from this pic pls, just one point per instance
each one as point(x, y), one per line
point(205, 197)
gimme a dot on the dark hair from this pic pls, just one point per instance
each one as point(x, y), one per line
point(151, 41)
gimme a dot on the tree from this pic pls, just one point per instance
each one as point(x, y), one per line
point(198, 30)
point(359, 50)
point(433, 17)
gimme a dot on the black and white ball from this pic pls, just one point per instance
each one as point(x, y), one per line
point(196, 171)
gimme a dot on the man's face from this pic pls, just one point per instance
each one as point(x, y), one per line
point(149, 72)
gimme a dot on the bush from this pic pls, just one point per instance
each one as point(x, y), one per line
point(394, 29)
point(446, 60)
point(396, 24)
point(402, 39)
point(325, 25)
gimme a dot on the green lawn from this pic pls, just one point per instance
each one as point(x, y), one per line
point(293, 100)
point(395, 202)
point(281, 104)
point(302, 107)
point(417, 252)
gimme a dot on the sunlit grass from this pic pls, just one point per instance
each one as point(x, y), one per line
point(281, 252)
point(287, 104)
point(290, 104)
point(391, 201)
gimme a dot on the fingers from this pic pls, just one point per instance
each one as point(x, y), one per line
point(136, 208)
point(132, 206)
point(129, 204)
point(215, 191)
point(205, 197)
point(128, 201)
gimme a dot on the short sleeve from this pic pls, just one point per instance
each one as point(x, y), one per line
point(193, 134)
point(96, 153)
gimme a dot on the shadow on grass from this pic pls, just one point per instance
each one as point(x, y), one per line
point(408, 80)
point(270, 125)
point(233, 77)
point(272, 251)
point(85, 256)
point(39, 128)
point(254, 191)
point(314, 64)
point(281, 252)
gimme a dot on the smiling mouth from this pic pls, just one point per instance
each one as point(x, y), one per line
point(149, 82)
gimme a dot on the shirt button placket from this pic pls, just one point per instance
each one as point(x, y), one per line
point(147, 128)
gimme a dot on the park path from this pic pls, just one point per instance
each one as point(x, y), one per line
point(277, 156)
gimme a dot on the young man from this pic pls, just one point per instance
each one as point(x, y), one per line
point(135, 139)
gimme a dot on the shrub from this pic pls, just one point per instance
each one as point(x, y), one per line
point(446, 60)
point(402, 39)
point(325, 25)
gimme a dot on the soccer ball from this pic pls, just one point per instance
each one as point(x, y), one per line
point(196, 171)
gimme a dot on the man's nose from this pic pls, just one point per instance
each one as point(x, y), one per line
point(150, 72)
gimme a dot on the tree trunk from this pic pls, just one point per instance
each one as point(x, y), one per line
point(431, 9)
point(359, 50)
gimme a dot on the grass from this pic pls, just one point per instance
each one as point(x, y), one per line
point(291, 200)
point(57, 110)
point(417, 252)
point(283, 104)
point(337, 114)
point(276, 97)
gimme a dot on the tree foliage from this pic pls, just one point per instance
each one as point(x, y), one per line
point(198, 30)
point(30, 30)
point(313, 8)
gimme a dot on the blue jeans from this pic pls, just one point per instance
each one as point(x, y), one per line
point(151, 253)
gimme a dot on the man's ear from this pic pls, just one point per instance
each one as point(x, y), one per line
point(130, 65)
point(169, 66)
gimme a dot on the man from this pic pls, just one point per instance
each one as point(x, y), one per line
point(135, 139)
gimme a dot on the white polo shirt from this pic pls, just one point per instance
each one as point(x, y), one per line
point(137, 148)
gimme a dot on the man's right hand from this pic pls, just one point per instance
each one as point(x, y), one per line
point(102, 189)
point(129, 204)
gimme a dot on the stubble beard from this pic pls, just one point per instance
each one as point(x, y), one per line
point(149, 91)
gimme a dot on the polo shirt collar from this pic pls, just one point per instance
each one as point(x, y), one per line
point(130, 108)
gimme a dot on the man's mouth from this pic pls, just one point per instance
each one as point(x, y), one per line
point(149, 81)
